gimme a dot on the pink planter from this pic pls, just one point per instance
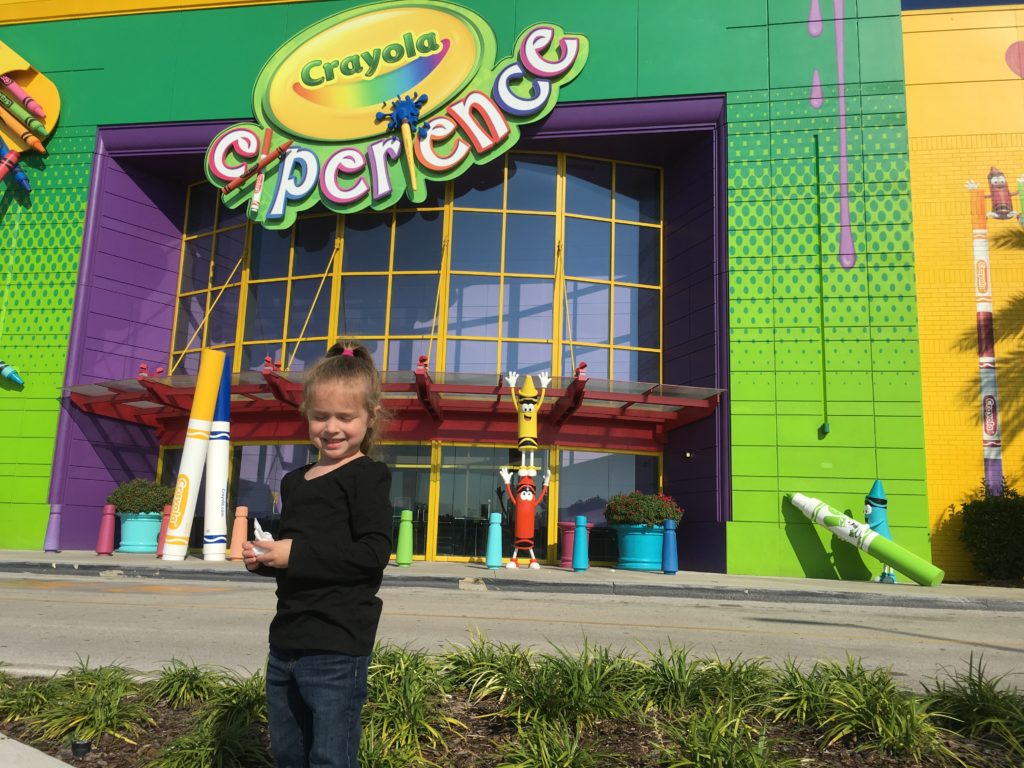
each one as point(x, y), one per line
point(568, 536)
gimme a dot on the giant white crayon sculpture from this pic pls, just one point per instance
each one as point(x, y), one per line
point(862, 537)
point(193, 456)
point(215, 524)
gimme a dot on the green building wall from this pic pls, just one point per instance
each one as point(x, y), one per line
point(808, 339)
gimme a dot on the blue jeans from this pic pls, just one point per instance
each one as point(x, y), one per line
point(313, 703)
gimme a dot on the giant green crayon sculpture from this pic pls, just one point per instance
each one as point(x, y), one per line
point(862, 537)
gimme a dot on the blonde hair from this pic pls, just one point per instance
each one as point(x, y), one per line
point(349, 362)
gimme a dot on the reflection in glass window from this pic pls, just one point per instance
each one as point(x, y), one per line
point(303, 314)
point(638, 194)
point(314, 244)
point(629, 365)
point(191, 310)
point(473, 305)
point(637, 254)
point(227, 266)
point(269, 257)
point(588, 187)
point(465, 356)
point(596, 359)
point(264, 311)
point(230, 217)
point(588, 248)
point(301, 356)
point(195, 275)
point(257, 472)
point(476, 241)
point(189, 366)
point(418, 240)
point(413, 299)
point(531, 182)
point(223, 324)
point(367, 242)
point(637, 317)
point(481, 187)
point(363, 306)
point(410, 489)
point(404, 354)
point(530, 244)
point(528, 308)
point(253, 355)
point(587, 318)
point(202, 202)
point(525, 357)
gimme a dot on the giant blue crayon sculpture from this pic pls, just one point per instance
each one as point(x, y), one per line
point(876, 515)
point(218, 458)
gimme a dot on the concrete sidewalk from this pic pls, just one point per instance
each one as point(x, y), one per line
point(14, 754)
point(692, 585)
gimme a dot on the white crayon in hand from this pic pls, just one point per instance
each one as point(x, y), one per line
point(259, 535)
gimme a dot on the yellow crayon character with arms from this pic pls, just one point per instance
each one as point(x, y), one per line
point(527, 403)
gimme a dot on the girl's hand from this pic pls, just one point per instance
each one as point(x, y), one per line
point(275, 553)
point(249, 556)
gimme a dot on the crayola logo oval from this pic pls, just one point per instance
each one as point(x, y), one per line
point(328, 82)
point(179, 503)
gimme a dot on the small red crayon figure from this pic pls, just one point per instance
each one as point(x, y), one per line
point(525, 500)
point(1000, 195)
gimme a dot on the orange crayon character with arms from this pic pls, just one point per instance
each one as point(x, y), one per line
point(525, 500)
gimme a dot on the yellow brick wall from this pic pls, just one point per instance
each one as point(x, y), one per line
point(965, 114)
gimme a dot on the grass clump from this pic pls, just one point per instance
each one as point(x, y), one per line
point(722, 735)
point(544, 744)
point(182, 685)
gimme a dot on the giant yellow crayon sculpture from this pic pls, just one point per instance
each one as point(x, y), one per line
point(193, 456)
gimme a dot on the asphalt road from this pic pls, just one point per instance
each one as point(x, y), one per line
point(48, 624)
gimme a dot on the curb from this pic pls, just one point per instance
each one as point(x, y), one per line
point(491, 584)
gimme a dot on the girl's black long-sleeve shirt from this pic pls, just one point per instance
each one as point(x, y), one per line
point(340, 525)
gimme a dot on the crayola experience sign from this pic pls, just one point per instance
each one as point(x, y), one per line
point(378, 99)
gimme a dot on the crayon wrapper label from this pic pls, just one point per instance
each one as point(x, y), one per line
point(181, 489)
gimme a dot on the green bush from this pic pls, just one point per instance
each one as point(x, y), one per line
point(140, 495)
point(638, 508)
point(993, 532)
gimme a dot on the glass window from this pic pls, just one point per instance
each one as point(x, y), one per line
point(637, 194)
point(314, 245)
point(596, 359)
point(588, 187)
point(530, 244)
point(301, 307)
point(363, 306)
point(531, 182)
point(464, 356)
point(188, 366)
point(202, 202)
point(588, 248)
point(481, 187)
point(196, 273)
point(299, 357)
point(254, 356)
point(410, 489)
point(637, 317)
point(587, 318)
point(404, 354)
point(637, 254)
point(269, 253)
point(528, 310)
point(264, 311)
point(223, 317)
point(413, 299)
point(230, 245)
point(418, 240)
point(473, 305)
point(191, 310)
point(230, 217)
point(476, 241)
point(525, 357)
point(367, 242)
point(628, 365)
point(257, 472)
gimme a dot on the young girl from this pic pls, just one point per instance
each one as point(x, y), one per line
point(333, 544)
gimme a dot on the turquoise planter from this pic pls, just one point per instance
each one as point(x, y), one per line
point(139, 531)
point(639, 547)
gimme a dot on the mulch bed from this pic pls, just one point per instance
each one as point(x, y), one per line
point(474, 747)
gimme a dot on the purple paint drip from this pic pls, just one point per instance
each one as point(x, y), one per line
point(814, 25)
point(847, 249)
point(817, 97)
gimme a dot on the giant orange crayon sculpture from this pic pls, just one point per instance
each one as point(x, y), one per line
point(193, 456)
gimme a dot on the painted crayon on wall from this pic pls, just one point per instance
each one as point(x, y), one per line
point(21, 131)
point(22, 116)
point(218, 459)
point(9, 163)
point(193, 455)
point(263, 163)
point(22, 96)
point(8, 372)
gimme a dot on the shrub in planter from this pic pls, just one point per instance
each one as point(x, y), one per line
point(140, 495)
point(638, 508)
point(993, 532)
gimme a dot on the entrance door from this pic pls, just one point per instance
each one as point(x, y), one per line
point(470, 489)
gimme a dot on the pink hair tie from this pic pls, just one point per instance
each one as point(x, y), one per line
point(347, 352)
